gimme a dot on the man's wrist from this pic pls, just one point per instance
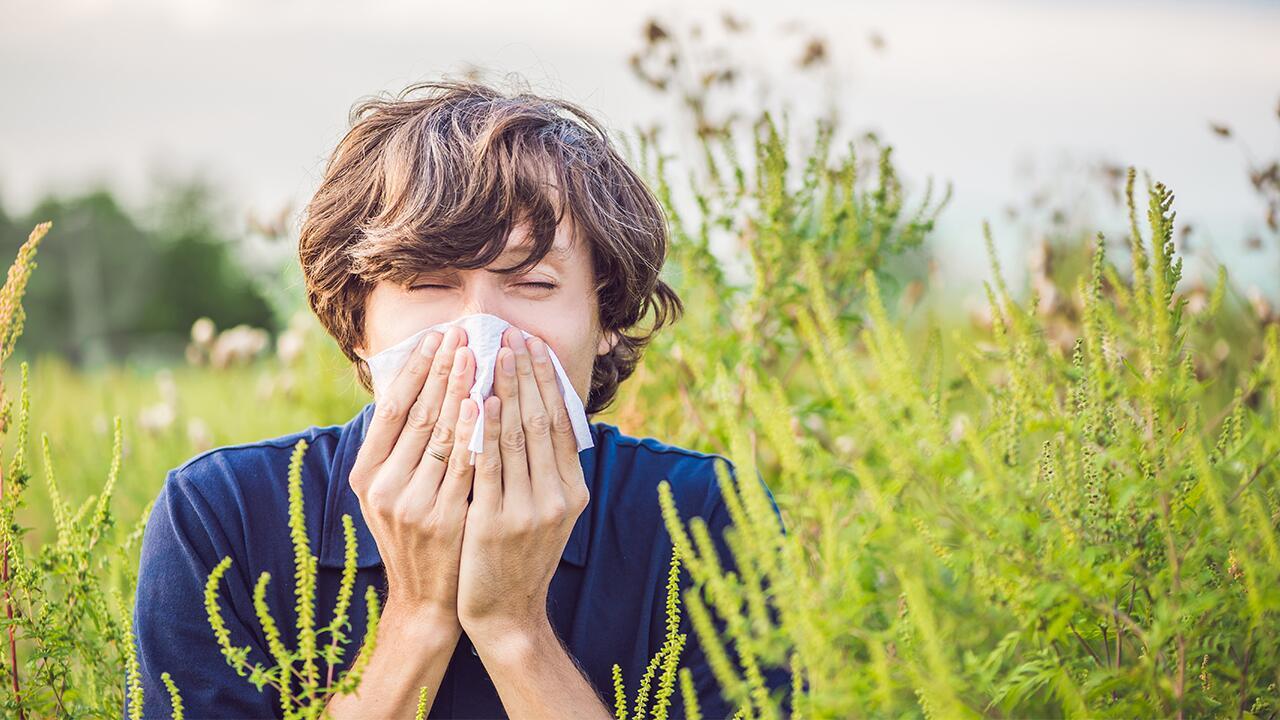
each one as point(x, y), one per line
point(513, 644)
point(421, 625)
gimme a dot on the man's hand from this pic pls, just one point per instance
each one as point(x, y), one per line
point(528, 491)
point(415, 503)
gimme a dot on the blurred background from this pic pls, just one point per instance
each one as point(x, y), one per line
point(174, 144)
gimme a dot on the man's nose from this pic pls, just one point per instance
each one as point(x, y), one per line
point(482, 297)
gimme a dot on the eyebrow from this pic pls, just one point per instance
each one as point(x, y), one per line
point(556, 254)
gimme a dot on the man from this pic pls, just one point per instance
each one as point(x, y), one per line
point(509, 587)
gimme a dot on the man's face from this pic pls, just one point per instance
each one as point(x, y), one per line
point(565, 316)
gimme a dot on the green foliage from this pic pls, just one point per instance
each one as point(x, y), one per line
point(123, 284)
point(310, 700)
point(68, 634)
point(1066, 512)
point(1099, 539)
point(665, 661)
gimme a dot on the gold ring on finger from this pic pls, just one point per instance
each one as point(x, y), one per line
point(437, 455)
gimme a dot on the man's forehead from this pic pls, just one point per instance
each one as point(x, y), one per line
point(559, 251)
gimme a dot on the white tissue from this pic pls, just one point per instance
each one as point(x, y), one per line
point(484, 337)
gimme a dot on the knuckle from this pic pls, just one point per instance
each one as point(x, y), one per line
point(556, 509)
point(442, 436)
point(538, 423)
point(442, 366)
point(380, 500)
point(519, 525)
point(405, 514)
point(560, 422)
point(543, 370)
point(388, 408)
point(419, 363)
point(358, 478)
point(458, 463)
point(513, 440)
point(430, 521)
point(421, 415)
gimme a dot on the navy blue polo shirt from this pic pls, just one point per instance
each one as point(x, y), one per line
point(606, 599)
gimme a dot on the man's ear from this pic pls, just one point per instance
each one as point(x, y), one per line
point(607, 341)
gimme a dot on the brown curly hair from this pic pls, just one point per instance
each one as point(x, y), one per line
point(420, 183)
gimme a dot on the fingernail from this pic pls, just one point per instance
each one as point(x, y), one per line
point(429, 343)
point(460, 361)
point(491, 408)
point(538, 348)
point(468, 409)
point(508, 364)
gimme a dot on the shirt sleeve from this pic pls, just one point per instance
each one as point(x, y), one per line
point(710, 702)
point(182, 543)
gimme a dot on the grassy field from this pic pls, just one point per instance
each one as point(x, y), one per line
point(1064, 506)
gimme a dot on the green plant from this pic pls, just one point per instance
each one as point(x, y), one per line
point(309, 702)
point(664, 663)
point(64, 618)
point(1099, 539)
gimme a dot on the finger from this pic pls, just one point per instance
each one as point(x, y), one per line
point(392, 408)
point(425, 411)
point(516, 490)
point(446, 427)
point(543, 471)
point(460, 471)
point(486, 486)
point(563, 442)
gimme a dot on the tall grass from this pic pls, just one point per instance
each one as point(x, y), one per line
point(996, 526)
point(1059, 512)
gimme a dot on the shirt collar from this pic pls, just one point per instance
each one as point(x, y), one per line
point(340, 499)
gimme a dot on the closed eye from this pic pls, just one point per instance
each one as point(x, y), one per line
point(544, 285)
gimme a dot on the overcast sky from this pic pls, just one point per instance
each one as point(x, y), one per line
point(255, 94)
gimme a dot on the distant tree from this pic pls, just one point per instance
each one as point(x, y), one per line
point(115, 285)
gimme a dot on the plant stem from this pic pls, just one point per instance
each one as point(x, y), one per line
point(8, 606)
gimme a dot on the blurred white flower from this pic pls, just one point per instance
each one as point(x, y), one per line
point(289, 345)
point(203, 331)
point(238, 345)
point(168, 388)
point(199, 435)
point(157, 418)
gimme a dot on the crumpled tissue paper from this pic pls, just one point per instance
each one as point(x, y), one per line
point(484, 338)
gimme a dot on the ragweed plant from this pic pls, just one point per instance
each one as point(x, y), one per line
point(1011, 529)
point(664, 663)
point(850, 211)
point(63, 617)
point(310, 698)
point(1013, 522)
